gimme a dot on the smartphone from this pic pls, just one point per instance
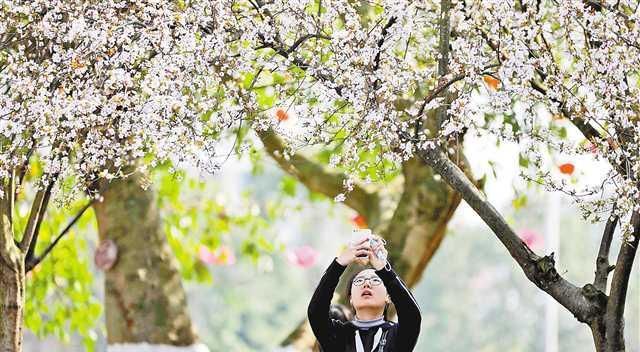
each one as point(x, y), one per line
point(358, 235)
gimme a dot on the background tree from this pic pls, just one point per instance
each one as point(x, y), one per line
point(87, 102)
point(144, 298)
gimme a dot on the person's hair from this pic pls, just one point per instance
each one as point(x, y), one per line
point(340, 312)
point(350, 284)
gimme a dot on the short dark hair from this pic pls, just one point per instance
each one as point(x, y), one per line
point(350, 283)
point(340, 312)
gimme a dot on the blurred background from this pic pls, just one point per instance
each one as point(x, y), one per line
point(251, 297)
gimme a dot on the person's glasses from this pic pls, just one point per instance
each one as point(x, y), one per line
point(373, 281)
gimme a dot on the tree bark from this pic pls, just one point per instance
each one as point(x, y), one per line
point(419, 222)
point(145, 299)
point(12, 279)
point(599, 334)
point(614, 317)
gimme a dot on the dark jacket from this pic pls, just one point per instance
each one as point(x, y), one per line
point(337, 336)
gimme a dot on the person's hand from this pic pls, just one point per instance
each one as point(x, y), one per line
point(357, 252)
point(378, 263)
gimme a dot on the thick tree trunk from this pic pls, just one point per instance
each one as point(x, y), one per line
point(145, 301)
point(12, 300)
point(419, 223)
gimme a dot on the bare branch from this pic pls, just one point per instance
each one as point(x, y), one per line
point(614, 318)
point(25, 166)
point(7, 244)
point(38, 209)
point(443, 60)
point(602, 262)
point(303, 39)
point(385, 31)
point(587, 130)
point(319, 179)
point(539, 270)
point(11, 195)
point(33, 261)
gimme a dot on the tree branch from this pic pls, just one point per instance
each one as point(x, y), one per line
point(7, 242)
point(602, 262)
point(22, 171)
point(36, 231)
point(587, 130)
point(614, 318)
point(10, 194)
point(539, 270)
point(33, 261)
point(443, 60)
point(303, 39)
point(385, 31)
point(38, 209)
point(319, 179)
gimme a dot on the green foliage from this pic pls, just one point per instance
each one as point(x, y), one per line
point(196, 217)
point(288, 185)
point(523, 161)
point(377, 168)
point(520, 201)
point(59, 295)
point(60, 300)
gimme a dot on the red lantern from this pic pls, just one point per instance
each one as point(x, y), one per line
point(567, 168)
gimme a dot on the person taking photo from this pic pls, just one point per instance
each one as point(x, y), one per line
point(369, 292)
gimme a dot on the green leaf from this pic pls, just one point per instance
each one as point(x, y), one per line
point(523, 161)
point(520, 202)
point(288, 185)
point(562, 132)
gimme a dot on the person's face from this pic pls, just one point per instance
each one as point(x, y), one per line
point(368, 291)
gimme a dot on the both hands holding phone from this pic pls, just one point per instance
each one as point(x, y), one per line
point(364, 248)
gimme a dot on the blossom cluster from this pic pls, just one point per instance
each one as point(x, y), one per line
point(90, 87)
point(94, 86)
point(560, 79)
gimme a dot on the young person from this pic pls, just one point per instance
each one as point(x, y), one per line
point(369, 292)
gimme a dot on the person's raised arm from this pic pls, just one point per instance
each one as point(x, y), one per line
point(318, 312)
point(409, 317)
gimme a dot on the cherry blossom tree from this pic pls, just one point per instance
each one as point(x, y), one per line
point(88, 91)
point(89, 88)
point(575, 60)
point(413, 78)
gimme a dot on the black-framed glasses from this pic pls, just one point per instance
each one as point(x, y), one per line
point(373, 281)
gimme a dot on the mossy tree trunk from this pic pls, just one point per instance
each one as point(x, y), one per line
point(144, 297)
